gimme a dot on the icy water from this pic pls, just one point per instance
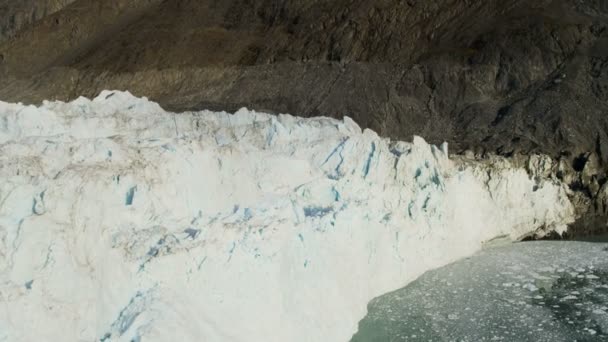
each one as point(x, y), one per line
point(533, 291)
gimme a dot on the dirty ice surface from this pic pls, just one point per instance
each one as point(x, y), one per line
point(533, 291)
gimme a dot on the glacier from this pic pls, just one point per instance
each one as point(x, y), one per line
point(120, 221)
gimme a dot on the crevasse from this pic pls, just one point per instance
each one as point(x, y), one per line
point(122, 222)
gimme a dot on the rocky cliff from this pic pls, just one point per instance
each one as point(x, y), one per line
point(21, 14)
point(512, 78)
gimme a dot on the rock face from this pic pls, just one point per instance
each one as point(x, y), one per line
point(17, 15)
point(511, 77)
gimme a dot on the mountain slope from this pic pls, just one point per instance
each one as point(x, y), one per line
point(506, 77)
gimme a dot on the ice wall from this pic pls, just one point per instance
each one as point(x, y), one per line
point(122, 222)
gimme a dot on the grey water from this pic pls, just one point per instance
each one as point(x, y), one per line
point(532, 291)
point(595, 238)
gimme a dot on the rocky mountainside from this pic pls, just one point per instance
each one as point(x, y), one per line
point(17, 15)
point(513, 77)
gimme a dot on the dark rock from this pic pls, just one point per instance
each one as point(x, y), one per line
point(510, 77)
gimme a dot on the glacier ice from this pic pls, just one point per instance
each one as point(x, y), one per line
point(122, 222)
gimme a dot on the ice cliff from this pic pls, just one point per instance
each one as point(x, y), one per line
point(122, 222)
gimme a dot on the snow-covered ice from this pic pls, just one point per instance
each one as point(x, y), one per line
point(122, 222)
